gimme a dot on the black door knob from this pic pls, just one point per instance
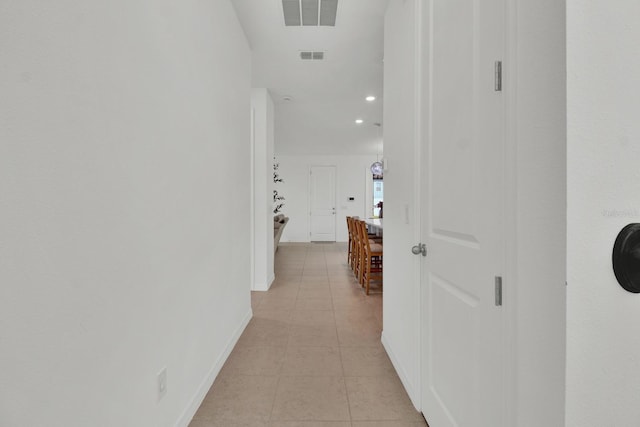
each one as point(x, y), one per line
point(626, 258)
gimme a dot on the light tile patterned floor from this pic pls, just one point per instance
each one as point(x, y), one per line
point(311, 356)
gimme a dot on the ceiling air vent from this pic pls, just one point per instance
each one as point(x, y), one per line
point(307, 55)
point(310, 12)
point(291, 10)
point(328, 11)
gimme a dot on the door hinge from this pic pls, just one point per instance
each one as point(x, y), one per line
point(498, 291)
point(498, 76)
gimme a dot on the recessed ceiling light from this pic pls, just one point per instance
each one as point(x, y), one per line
point(359, 121)
point(370, 98)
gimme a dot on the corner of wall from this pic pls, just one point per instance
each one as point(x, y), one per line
point(206, 384)
point(412, 391)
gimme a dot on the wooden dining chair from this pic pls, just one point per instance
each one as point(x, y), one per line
point(355, 254)
point(351, 241)
point(370, 262)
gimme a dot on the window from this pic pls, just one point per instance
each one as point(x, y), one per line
point(378, 190)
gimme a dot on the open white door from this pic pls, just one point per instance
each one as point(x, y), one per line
point(462, 205)
point(322, 203)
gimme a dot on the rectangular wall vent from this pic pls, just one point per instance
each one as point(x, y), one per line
point(310, 55)
point(310, 12)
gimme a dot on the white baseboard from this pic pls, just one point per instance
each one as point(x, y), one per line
point(206, 384)
point(408, 386)
point(264, 286)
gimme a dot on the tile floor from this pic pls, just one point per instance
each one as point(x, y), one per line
point(311, 356)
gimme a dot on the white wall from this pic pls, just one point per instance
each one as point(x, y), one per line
point(401, 313)
point(352, 173)
point(262, 134)
point(603, 320)
point(121, 125)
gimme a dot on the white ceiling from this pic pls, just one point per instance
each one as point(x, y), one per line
point(328, 95)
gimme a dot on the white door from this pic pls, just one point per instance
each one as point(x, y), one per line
point(322, 203)
point(462, 204)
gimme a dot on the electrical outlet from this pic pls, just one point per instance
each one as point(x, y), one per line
point(162, 383)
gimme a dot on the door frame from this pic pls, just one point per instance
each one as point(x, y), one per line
point(509, 296)
point(252, 203)
point(421, 105)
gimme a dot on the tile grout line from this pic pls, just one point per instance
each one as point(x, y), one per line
point(286, 347)
point(344, 380)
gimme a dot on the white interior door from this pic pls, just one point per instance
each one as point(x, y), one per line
point(462, 204)
point(322, 203)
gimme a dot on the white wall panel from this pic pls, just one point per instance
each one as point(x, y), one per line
point(603, 320)
point(263, 185)
point(124, 207)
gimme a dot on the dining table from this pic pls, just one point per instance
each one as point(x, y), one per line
point(374, 225)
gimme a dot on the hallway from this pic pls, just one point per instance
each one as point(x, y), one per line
point(311, 355)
